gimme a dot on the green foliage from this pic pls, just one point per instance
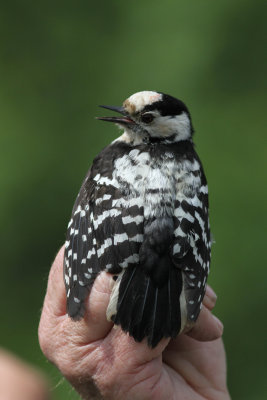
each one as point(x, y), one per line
point(58, 61)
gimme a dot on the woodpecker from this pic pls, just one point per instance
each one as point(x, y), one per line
point(142, 215)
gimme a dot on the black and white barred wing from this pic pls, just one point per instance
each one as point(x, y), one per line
point(80, 261)
point(191, 249)
point(104, 233)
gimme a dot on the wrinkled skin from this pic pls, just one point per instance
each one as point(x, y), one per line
point(102, 362)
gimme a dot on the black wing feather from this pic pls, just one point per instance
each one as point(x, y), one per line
point(191, 248)
point(101, 236)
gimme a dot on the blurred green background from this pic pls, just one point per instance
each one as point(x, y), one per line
point(58, 61)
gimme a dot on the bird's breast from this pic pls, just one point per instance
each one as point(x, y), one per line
point(155, 182)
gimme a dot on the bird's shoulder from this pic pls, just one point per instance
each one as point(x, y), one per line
point(122, 167)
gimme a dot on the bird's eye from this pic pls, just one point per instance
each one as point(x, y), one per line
point(147, 118)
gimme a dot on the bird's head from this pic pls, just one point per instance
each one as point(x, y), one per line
point(152, 117)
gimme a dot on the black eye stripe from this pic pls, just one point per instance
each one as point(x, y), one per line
point(147, 118)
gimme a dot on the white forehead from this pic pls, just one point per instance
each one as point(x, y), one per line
point(141, 99)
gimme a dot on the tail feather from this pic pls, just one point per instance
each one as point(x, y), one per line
point(175, 284)
point(147, 310)
point(140, 303)
point(124, 307)
point(141, 318)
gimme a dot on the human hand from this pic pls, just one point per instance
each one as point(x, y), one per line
point(101, 361)
point(20, 381)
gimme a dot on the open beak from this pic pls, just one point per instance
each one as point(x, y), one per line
point(125, 119)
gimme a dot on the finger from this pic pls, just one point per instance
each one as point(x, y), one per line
point(94, 325)
point(54, 308)
point(131, 352)
point(55, 297)
point(18, 380)
point(207, 327)
point(210, 298)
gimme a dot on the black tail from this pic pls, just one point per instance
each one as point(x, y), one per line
point(145, 309)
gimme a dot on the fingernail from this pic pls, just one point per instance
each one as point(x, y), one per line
point(218, 322)
point(210, 293)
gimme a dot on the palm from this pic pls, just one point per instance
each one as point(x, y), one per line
point(187, 370)
point(196, 368)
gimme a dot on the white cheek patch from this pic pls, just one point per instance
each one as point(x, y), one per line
point(166, 126)
point(141, 99)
